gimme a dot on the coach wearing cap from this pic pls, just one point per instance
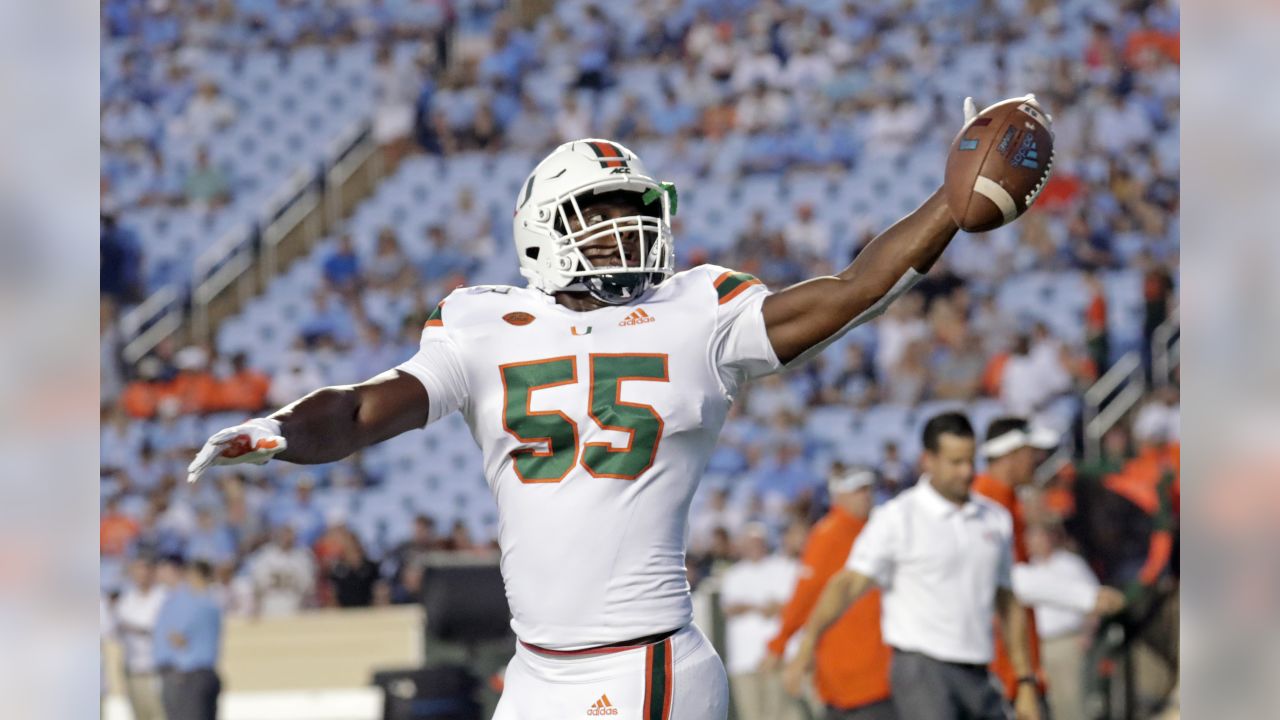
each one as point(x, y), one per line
point(1012, 450)
point(943, 558)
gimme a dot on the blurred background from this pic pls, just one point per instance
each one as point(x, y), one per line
point(289, 186)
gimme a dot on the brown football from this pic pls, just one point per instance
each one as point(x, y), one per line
point(998, 164)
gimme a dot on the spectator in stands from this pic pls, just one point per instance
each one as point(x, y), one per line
point(300, 512)
point(624, 123)
point(353, 574)
point(902, 324)
point(720, 556)
point(116, 530)
point(760, 109)
point(894, 473)
point(245, 389)
point(121, 440)
point(389, 269)
point(160, 28)
point(411, 556)
point(244, 516)
point(466, 221)
point(444, 259)
point(206, 114)
point(751, 596)
point(297, 374)
point(484, 133)
point(596, 39)
point(459, 538)
point(120, 276)
point(809, 69)
point(1120, 123)
point(672, 116)
point(188, 637)
point(194, 389)
point(893, 126)
point(212, 541)
point(855, 383)
point(136, 615)
point(206, 184)
point(537, 128)
point(852, 674)
point(810, 238)
point(957, 370)
point(396, 92)
point(774, 395)
point(283, 575)
point(1089, 249)
point(909, 380)
point(374, 353)
point(342, 266)
point(573, 120)
point(785, 474)
point(1030, 379)
point(994, 327)
point(718, 512)
point(157, 536)
point(232, 592)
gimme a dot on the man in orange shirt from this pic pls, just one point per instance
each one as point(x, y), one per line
point(1012, 450)
point(852, 670)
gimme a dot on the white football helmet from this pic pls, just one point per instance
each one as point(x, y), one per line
point(550, 252)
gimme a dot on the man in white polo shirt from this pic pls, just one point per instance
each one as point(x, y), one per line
point(943, 558)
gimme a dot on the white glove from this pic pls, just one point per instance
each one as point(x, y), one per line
point(971, 109)
point(256, 441)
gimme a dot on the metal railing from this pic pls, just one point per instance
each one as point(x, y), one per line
point(1166, 350)
point(220, 265)
point(1106, 402)
point(229, 260)
point(295, 204)
point(150, 322)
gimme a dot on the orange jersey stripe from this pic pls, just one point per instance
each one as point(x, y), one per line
point(738, 290)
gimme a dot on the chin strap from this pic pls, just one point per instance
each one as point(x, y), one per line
point(900, 288)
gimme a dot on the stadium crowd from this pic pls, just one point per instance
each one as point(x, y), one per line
point(710, 94)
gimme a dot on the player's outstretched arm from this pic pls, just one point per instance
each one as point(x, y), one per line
point(326, 425)
point(803, 319)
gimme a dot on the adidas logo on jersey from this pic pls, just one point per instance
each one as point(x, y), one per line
point(637, 317)
point(602, 707)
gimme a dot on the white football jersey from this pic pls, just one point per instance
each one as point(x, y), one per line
point(595, 428)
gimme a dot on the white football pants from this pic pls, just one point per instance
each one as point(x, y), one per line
point(680, 678)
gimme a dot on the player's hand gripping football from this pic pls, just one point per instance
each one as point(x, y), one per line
point(971, 108)
point(998, 163)
point(255, 441)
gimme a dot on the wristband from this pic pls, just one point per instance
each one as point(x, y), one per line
point(1028, 680)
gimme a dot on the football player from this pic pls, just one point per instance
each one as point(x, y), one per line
point(596, 395)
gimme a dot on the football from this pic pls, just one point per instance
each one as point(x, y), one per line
point(998, 164)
